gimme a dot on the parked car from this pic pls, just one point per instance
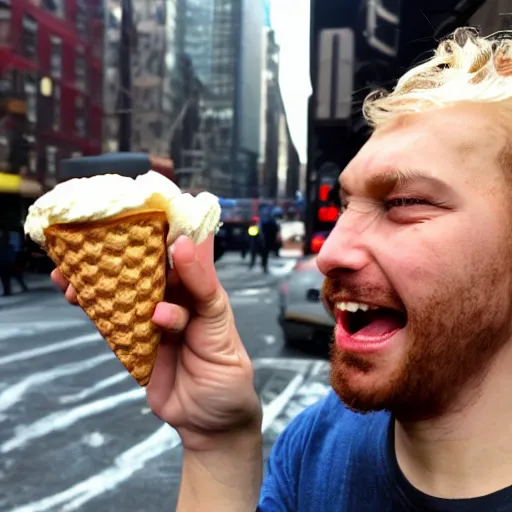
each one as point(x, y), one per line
point(302, 316)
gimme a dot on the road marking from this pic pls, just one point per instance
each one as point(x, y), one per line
point(165, 439)
point(289, 364)
point(63, 419)
point(251, 292)
point(11, 301)
point(243, 301)
point(14, 394)
point(272, 410)
point(123, 468)
point(48, 349)
point(99, 386)
point(269, 339)
point(284, 268)
point(12, 330)
point(94, 439)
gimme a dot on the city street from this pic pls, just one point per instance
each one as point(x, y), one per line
point(75, 430)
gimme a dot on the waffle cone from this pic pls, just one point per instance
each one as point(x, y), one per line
point(118, 268)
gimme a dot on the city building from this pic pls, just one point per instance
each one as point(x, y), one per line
point(271, 113)
point(293, 174)
point(224, 158)
point(493, 16)
point(279, 163)
point(198, 37)
point(156, 85)
point(51, 75)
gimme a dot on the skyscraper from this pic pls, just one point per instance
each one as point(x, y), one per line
point(231, 75)
point(198, 37)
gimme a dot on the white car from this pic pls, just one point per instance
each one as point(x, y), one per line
point(302, 316)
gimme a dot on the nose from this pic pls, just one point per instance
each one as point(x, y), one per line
point(345, 247)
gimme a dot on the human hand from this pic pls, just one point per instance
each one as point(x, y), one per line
point(202, 381)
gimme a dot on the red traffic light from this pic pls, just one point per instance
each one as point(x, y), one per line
point(323, 192)
point(316, 243)
point(328, 214)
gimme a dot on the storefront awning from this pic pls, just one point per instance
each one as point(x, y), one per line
point(15, 184)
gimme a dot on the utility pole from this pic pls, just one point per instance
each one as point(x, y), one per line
point(125, 77)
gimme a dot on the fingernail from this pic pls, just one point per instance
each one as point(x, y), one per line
point(170, 252)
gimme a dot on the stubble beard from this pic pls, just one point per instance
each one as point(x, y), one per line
point(453, 339)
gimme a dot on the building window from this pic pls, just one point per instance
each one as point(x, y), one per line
point(45, 103)
point(56, 57)
point(31, 92)
point(96, 86)
point(80, 69)
point(81, 18)
point(56, 108)
point(32, 155)
point(29, 38)
point(51, 166)
point(80, 117)
point(5, 25)
point(54, 6)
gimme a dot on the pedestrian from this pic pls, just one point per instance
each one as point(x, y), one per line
point(7, 261)
point(258, 246)
point(419, 279)
point(265, 240)
point(20, 264)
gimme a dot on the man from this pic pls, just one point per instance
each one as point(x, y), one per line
point(265, 240)
point(419, 276)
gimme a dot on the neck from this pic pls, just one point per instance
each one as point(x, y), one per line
point(468, 453)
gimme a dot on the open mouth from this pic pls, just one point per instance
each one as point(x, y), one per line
point(365, 321)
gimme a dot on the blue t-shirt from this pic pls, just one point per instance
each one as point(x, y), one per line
point(331, 459)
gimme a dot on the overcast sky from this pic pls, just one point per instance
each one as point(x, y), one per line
point(290, 19)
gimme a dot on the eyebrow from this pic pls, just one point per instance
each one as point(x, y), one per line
point(389, 181)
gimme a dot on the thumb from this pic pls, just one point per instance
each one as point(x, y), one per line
point(195, 268)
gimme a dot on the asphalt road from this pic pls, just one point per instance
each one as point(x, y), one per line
point(75, 431)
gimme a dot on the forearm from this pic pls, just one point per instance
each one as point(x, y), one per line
point(227, 479)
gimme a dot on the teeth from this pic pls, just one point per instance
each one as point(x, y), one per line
point(353, 307)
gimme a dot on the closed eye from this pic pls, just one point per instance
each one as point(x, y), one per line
point(401, 202)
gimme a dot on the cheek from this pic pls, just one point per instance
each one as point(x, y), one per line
point(433, 257)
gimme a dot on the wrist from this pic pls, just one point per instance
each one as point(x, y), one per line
point(225, 478)
point(245, 430)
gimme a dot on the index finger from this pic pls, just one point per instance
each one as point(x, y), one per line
point(59, 280)
point(64, 286)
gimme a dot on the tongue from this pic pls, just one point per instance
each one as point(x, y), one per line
point(382, 322)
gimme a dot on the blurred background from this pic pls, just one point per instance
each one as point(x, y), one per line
point(256, 101)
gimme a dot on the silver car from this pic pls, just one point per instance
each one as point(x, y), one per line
point(302, 315)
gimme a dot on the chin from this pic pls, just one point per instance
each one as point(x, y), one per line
point(363, 383)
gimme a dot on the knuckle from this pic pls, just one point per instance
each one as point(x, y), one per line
point(218, 305)
point(177, 320)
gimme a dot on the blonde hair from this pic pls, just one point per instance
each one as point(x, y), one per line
point(464, 68)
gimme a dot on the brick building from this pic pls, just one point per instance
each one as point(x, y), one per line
point(51, 82)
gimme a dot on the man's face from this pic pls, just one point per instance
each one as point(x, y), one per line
point(424, 239)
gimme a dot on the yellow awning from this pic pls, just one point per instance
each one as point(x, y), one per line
point(10, 183)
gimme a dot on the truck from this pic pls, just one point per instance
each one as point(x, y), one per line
point(357, 46)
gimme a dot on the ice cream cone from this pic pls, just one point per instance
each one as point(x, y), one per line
point(118, 268)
